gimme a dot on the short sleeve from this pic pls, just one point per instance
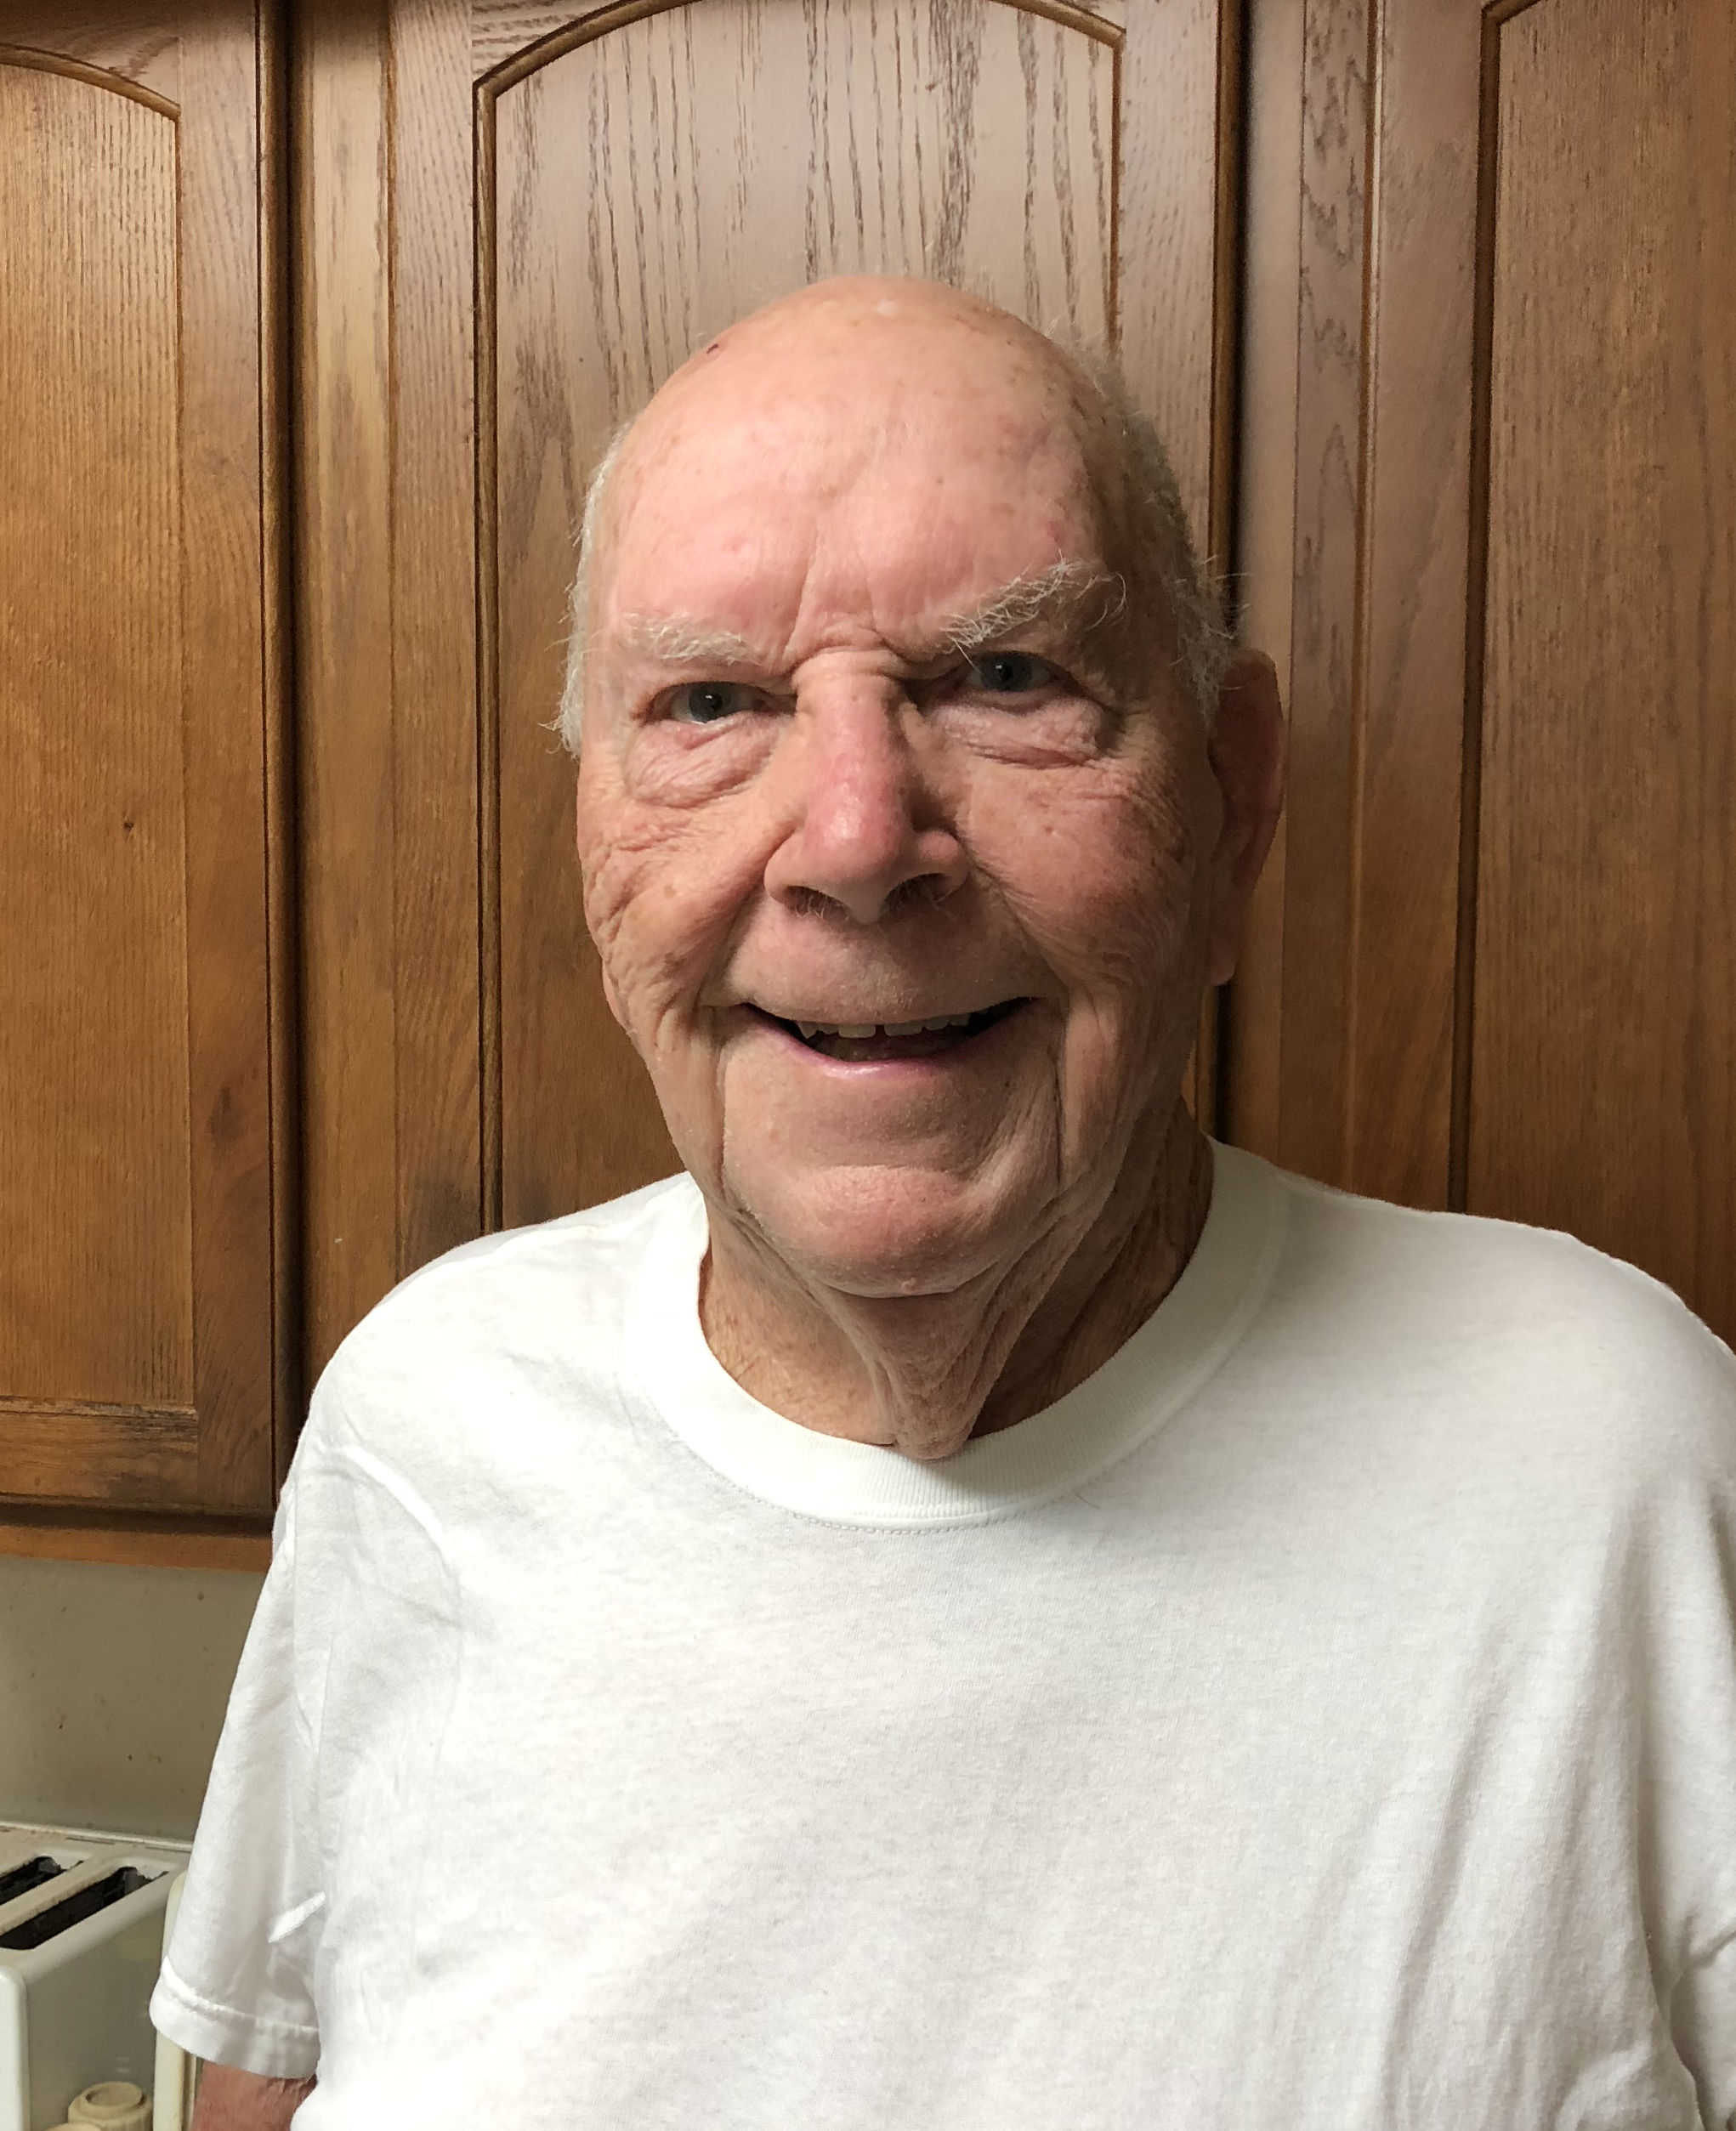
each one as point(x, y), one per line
point(1689, 1674)
point(236, 1986)
point(1703, 2018)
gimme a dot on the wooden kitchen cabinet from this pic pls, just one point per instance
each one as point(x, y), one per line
point(311, 329)
point(147, 1202)
point(504, 224)
point(1488, 523)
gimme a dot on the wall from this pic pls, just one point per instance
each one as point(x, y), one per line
point(113, 1683)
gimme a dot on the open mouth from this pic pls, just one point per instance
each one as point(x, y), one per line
point(857, 1043)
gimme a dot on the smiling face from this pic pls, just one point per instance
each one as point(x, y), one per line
point(876, 737)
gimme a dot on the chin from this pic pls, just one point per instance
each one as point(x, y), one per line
point(882, 1234)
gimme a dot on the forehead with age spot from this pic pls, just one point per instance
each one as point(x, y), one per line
point(837, 354)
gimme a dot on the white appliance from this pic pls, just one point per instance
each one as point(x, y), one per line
point(81, 1943)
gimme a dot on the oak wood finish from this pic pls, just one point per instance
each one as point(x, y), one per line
point(1508, 944)
point(1262, 583)
point(205, 1542)
point(145, 1018)
point(1325, 654)
point(1600, 1094)
point(386, 675)
point(597, 188)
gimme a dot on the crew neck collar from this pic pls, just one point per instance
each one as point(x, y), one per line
point(1141, 1386)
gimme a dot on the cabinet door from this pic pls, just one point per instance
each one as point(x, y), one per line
point(568, 203)
point(145, 1244)
point(1501, 973)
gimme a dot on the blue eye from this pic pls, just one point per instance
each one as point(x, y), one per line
point(707, 702)
point(1009, 673)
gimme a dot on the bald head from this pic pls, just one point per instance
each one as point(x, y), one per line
point(862, 344)
point(855, 365)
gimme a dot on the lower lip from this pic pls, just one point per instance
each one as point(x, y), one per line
point(969, 1051)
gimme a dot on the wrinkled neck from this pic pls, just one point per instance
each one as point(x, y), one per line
point(1132, 1256)
point(922, 1374)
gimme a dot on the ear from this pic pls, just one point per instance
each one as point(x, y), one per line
point(1246, 749)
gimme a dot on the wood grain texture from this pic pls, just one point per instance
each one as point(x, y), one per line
point(510, 34)
point(1417, 448)
point(1326, 649)
point(138, 41)
point(389, 764)
point(229, 1004)
point(114, 1457)
point(210, 1542)
point(96, 1283)
point(1509, 946)
point(1390, 102)
point(974, 143)
point(438, 798)
point(1168, 118)
point(1602, 1097)
point(1265, 522)
point(346, 783)
point(141, 1293)
point(283, 975)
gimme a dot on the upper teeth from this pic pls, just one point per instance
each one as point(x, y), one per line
point(860, 1029)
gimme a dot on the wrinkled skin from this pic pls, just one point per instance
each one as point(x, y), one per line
point(798, 800)
point(231, 2100)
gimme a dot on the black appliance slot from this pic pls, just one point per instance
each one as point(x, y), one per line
point(73, 1908)
point(34, 1871)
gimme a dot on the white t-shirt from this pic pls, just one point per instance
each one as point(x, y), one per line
point(1323, 1718)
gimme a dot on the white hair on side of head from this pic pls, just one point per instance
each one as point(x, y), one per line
point(1203, 644)
point(1160, 530)
point(572, 694)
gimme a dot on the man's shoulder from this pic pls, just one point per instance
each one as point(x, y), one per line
point(502, 1315)
point(1555, 1340)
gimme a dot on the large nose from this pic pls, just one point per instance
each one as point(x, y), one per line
point(868, 825)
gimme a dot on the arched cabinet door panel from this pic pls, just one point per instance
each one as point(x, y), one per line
point(570, 203)
point(146, 1266)
point(1508, 925)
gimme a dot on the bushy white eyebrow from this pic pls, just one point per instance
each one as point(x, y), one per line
point(1065, 593)
point(674, 640)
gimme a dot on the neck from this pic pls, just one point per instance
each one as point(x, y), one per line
point(924, 1374)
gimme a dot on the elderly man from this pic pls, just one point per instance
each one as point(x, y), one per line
point(971, 1608)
